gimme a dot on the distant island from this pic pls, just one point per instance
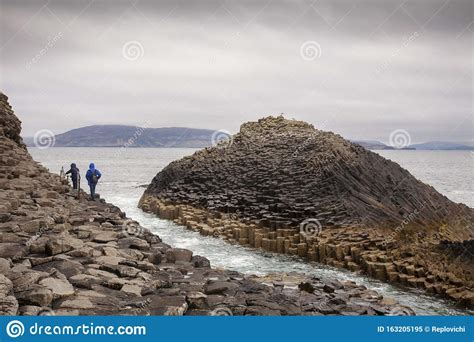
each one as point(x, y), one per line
point(443, 145)
point(377, 145)
point(427, 146)
point(134, 136)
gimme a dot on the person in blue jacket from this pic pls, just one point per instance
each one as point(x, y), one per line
point(74, 171)
point(93, 175)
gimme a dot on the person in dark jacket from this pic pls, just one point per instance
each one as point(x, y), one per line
point(74, 172)
point(93, 175)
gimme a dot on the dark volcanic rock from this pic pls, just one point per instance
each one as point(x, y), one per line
point(63, 254)
point(280, 172)
point(286, 187)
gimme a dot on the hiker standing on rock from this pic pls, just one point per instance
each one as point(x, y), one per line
point(74, 171)
point(93, 175)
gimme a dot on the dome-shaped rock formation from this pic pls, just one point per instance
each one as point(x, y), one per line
point(286, 187)
point(281, 172)
point(64, 255)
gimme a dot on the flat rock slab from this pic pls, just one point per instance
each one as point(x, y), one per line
point(105, 237)
point(132, 289)
point(81, 303)
point(11, 250)
point(67, 267)
point(60, 288)
point(168, 305)
point(178, 254)
point(219, 287)
point(36, 295)
point(62, 244)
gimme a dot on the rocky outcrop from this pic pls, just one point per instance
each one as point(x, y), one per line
point(10, 124)
point(286, 187)
point(64, 255)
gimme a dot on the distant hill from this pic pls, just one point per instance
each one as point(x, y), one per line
point(427, 146)
point(132, 136)
point(443, 145)
point(372, 145)
point(377, 145)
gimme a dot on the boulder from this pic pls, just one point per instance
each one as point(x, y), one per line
point(35, 295)
point(84, 281)
point(132, 289)
point(168, 305)
point(200, 262)
point(155, 257)
point(8, 306)
point(105, 237)
point(178, 255)
point(23, 278)
point(6, 286)
point(197, 300)
point(4, 266)
point(12, 250)
point(67, 267)
point(59, 287)
point(81, 303)
point(62, 244)
point(219, 287)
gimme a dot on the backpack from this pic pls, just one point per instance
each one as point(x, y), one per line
point(94, 177)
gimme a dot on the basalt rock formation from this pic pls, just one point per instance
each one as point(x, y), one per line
point(64, 255)
point(286, 187)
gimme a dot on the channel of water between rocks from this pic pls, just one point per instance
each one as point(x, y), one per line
point(121, 189)
point(251, 261)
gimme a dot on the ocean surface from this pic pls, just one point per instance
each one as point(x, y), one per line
point(125, 171)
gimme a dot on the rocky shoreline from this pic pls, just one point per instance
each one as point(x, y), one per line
point(342, 248)
point(257, 192)
point(63, 255)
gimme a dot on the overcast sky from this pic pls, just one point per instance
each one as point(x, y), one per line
point(359, 68)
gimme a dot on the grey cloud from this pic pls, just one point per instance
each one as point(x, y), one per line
point(383, 65)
